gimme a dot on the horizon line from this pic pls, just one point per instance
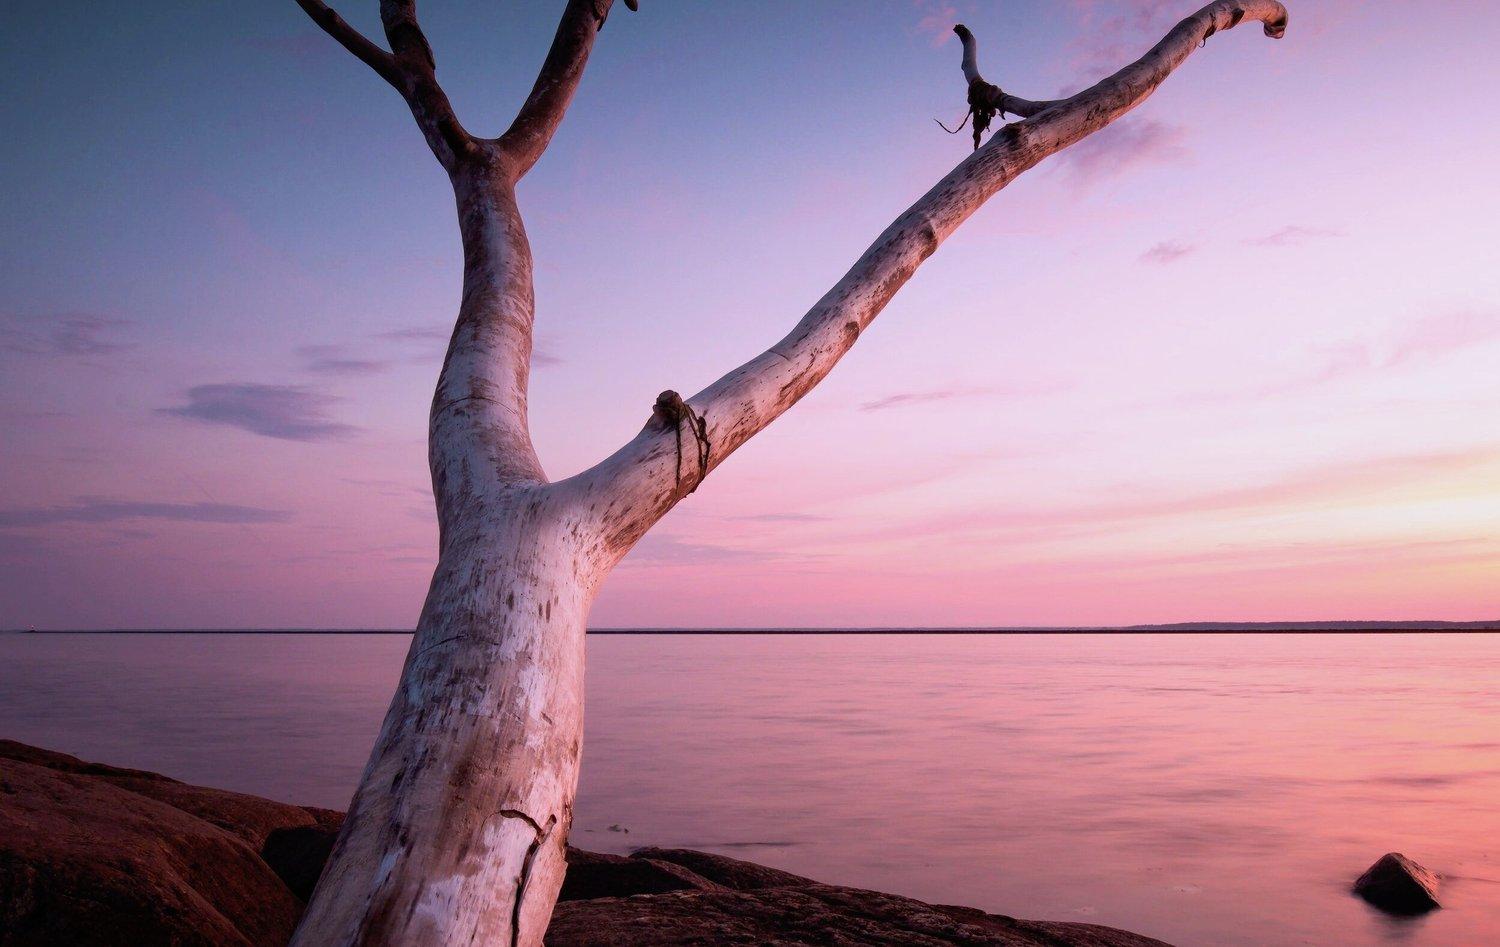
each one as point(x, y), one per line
point(1336, 626)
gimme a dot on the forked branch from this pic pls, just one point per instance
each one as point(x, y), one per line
point(419, 86)
point(635, 486)
point(987, 100)
point(353, 40)
point(542, 113)
point(411, 68)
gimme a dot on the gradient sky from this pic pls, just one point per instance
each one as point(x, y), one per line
point(1234, 358)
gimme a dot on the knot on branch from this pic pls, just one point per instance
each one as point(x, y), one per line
point(985, 100)
point(672, 411)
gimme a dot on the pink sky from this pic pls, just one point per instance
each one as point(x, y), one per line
point(1233, 359)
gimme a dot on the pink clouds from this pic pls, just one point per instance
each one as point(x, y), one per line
point(1293, 236)
point(935, 20)
point(280, 285)
point(1445, 333)
point(288, 412)
point(1356, 482)
point(62, 335)
point(1168, 251)
point(1128, 144)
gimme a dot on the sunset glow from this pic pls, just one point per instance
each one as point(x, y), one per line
point(1235, 358)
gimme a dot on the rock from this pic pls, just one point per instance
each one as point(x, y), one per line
point(729, 872)
point(807, 914)
point(298, 854)
point(99, 856)
point(86, 862)
point(591, 875)
point(1398, 885)
point(251, 818)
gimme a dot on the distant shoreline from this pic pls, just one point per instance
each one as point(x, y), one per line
point(1196, 628)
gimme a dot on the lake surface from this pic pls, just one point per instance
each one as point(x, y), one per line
point(1204, 789)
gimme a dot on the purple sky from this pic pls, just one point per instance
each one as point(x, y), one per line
point(1234, 358)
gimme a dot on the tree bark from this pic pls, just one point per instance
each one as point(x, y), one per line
point(457, 832)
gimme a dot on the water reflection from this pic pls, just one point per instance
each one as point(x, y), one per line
point(1206, 790)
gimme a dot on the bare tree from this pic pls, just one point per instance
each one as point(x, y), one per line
point(457, 832)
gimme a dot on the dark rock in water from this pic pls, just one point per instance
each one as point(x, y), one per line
point(1399, 885)
point(98, 856)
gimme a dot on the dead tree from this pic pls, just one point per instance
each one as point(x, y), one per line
point(456, 834)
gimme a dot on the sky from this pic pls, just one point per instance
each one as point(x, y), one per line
point(1234, 358)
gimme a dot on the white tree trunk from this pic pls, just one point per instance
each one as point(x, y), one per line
point(457, 833)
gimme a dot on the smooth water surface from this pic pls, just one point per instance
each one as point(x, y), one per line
point(1205, 789)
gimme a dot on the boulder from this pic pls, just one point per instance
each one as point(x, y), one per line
point(100, 856)
point(85, 862)
point(807, 914)
point(1398, 885)
point(297, 854)
point(592, 875)
point(722, 870)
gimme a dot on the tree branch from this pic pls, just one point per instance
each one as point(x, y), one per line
point(418, 84)
point(409, 69)
point(543, 110)
point(1001, 102)
point(638, 484)
point(353, 40)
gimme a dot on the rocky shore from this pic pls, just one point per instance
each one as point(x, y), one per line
point(98, 855)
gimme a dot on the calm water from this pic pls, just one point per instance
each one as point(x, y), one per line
point(1202, 789)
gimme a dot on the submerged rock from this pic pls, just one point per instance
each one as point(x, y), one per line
point(1399, 885)
point(98, 856)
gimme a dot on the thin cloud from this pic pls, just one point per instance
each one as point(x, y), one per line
point(1337, 362)
point(1122, 147)
point(1431, 337)
point(1168, 251)
point(667, 550)
point(1111, 33)
point(935, 19)
point(1327, 558)
point(70, 335)
point(1444, 334)
point(347, 366)
point(783, 518)
point(910, 398)
point(432, 334)
point(285, 412)
point(334, 360)
point(1293, 237)
point(100, 510)
point(1334, 484)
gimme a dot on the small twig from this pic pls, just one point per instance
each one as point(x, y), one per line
point(954, 131)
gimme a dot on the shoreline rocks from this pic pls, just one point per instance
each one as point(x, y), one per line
point(101, 856)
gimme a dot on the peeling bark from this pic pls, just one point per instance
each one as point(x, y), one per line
point(457, 831)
